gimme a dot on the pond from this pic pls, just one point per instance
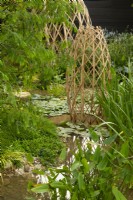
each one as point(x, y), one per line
point(15, 184)
point(14, 187)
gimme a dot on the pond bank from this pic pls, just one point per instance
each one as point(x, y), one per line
point(14, 187)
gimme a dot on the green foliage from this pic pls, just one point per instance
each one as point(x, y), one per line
point(121, 49)
point(117, 104)
point(33, 133)
point(9, 158)
point(25, 51)
point(47, 147)
point(23, 128)
point(118, 195)
point(26, 54)
point(45, 77)
point(100, 172)
point(56, 90)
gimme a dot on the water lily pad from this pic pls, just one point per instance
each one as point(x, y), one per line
point(51, 106)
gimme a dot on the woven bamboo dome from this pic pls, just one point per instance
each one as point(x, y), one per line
point(91, 69)
point(78, 17)
point(89, 51)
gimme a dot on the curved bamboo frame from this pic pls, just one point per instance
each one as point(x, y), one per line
point(92, 63)
point(91, 57)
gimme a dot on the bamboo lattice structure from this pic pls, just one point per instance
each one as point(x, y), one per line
point(62, 31)
point(91, 57)
point(91, 69)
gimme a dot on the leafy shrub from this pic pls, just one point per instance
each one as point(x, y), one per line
point(56, 90)
point(101, 171)
point(121, 50)
point(23, 128)
point(25, 51)
point(31, 129)
point(45, 77)
point(47, 147)
point(25, 54)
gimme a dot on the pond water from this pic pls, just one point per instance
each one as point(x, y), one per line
point(15, 185)
point(51, 106)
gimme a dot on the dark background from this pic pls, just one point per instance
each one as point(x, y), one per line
point(111, 14)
